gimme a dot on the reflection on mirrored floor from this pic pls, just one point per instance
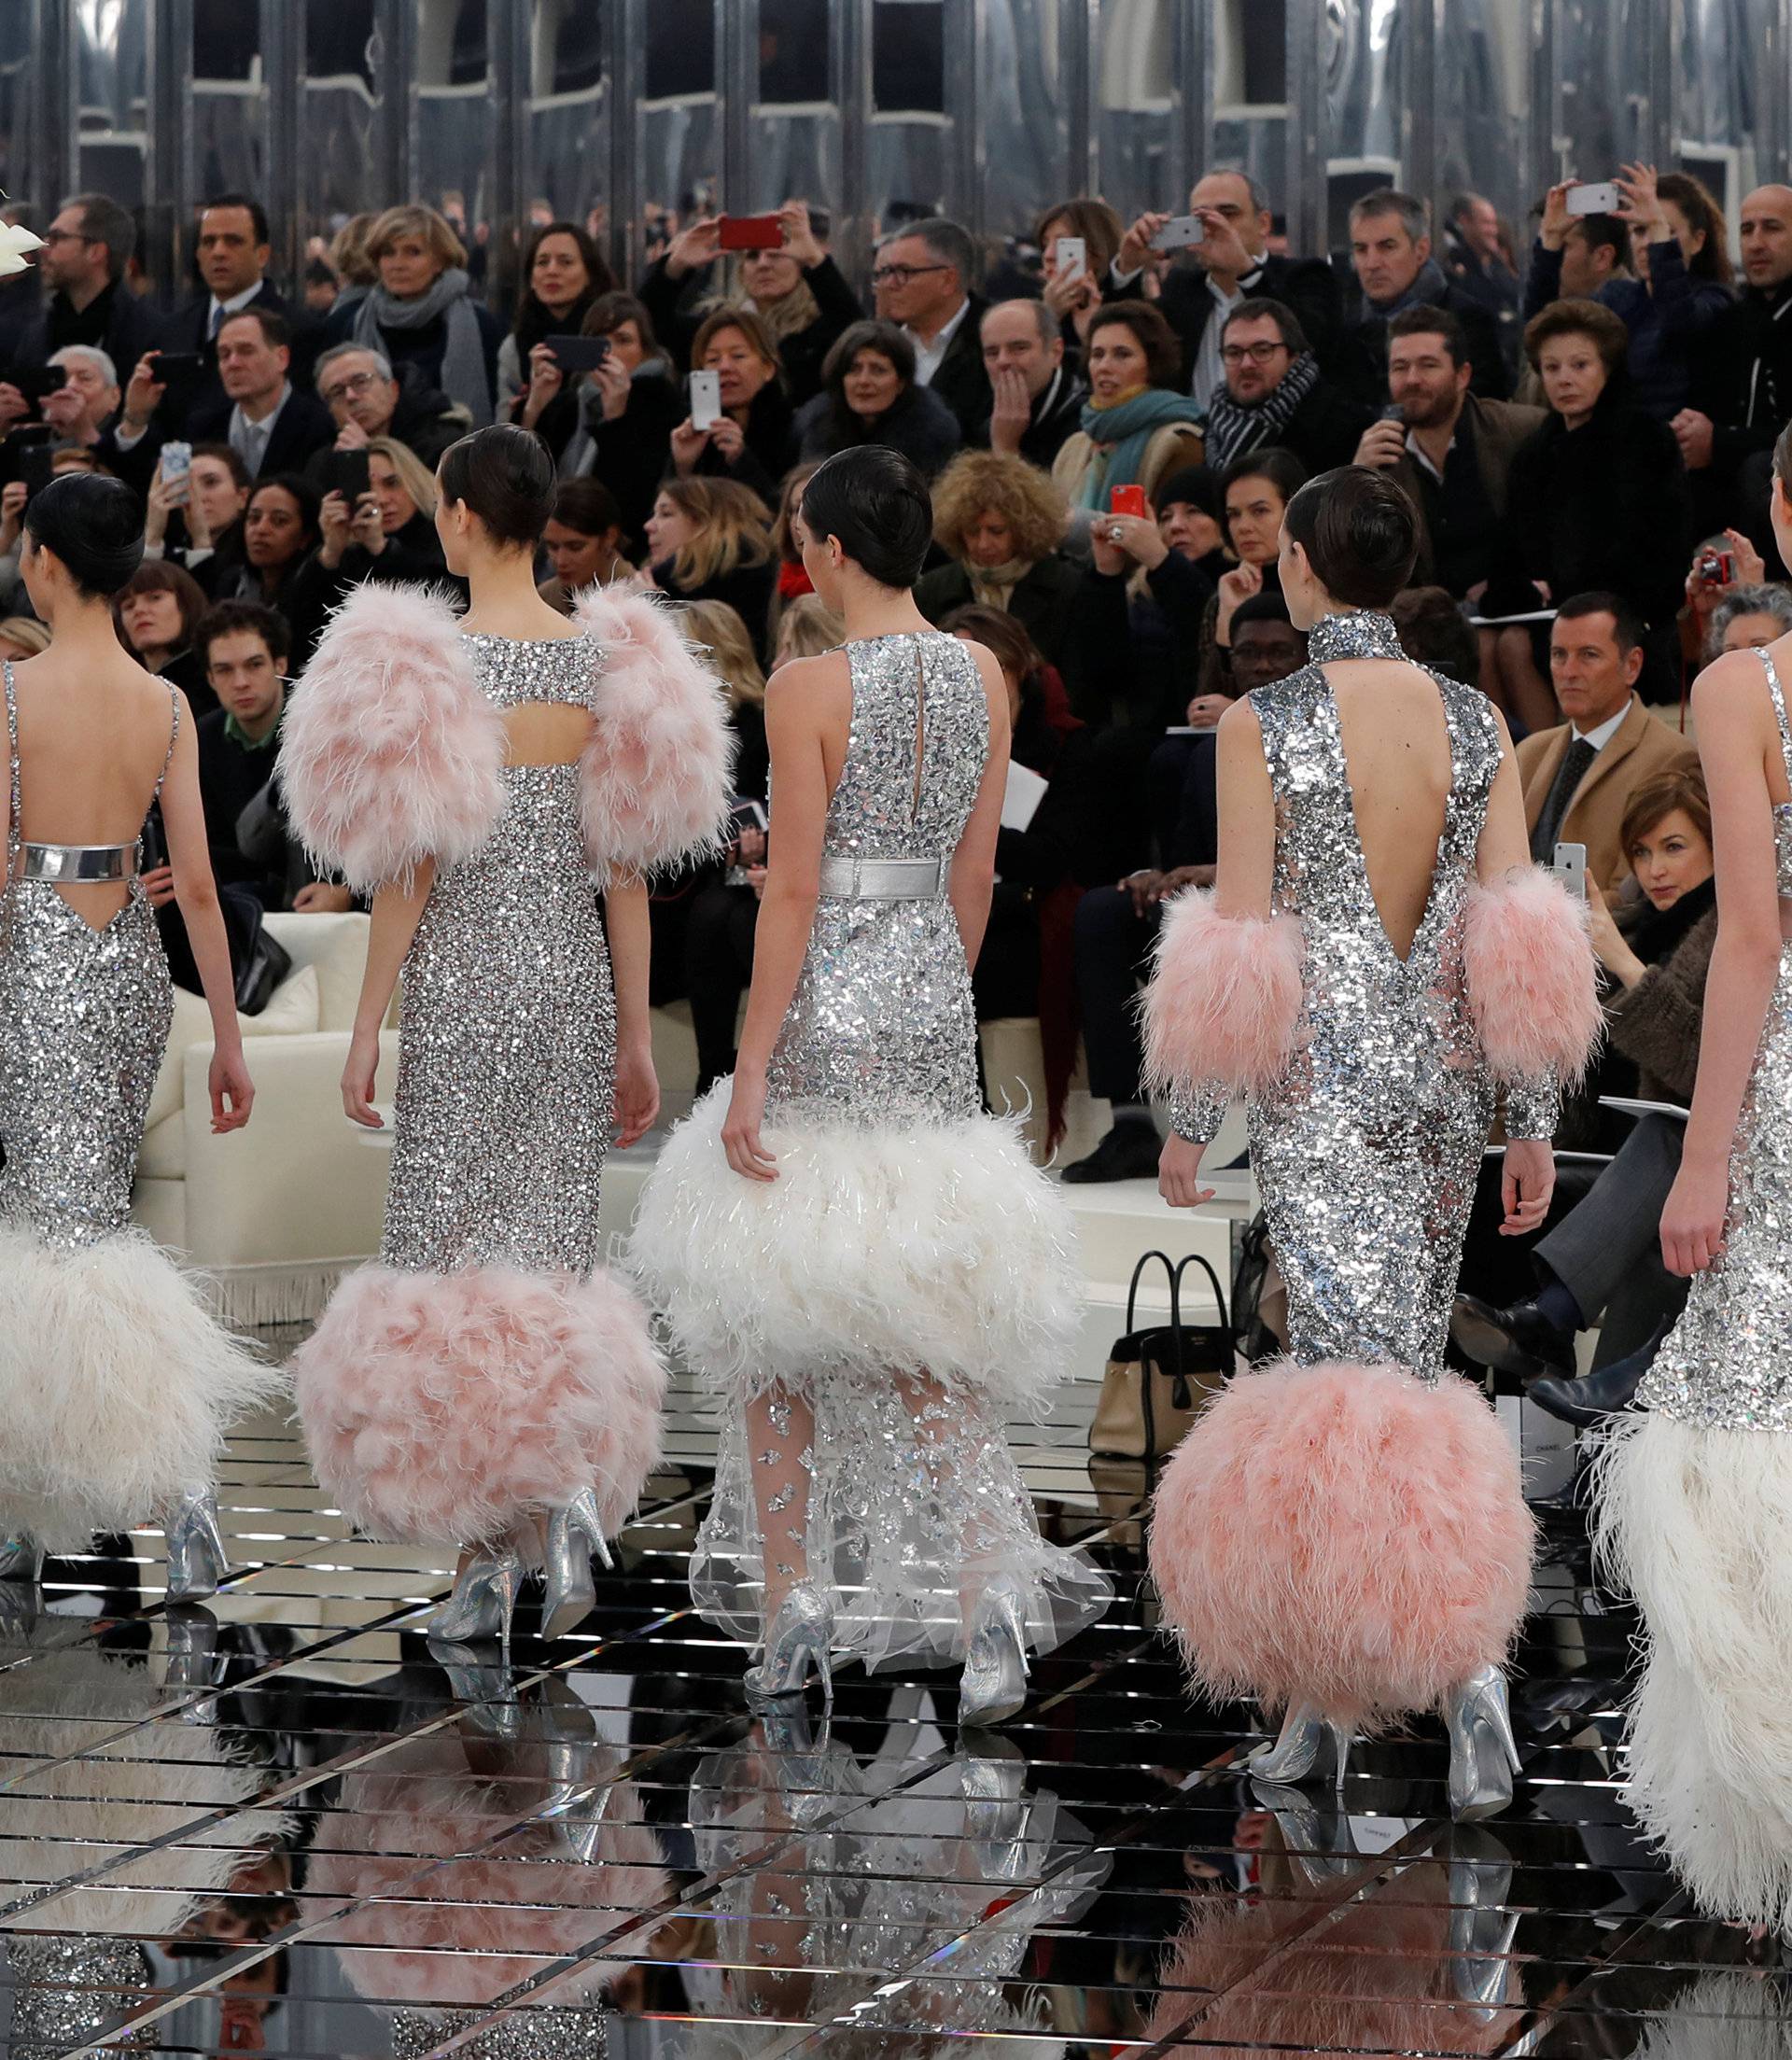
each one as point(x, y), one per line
point(284, 1824)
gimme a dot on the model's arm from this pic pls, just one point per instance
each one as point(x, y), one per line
point(1737, 737)
point(398, 909)
point(183, 821)
point(631, 948)
point(973, 884)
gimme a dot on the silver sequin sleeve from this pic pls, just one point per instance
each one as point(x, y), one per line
point(1534, 1107)
point(1198, 1108)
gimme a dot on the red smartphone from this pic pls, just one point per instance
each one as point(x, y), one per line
point(1128, 500)
point(751, 233)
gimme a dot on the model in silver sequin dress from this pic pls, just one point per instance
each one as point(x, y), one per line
point(1694, 1498)
point(872, 1317)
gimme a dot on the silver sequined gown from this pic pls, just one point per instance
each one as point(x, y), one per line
point(1366, 1150)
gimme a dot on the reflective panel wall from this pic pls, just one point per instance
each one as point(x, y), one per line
point(630, 114)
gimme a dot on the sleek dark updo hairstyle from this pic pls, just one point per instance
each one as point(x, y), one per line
point(878, 506)
point(505, 475)
point(1359, 532)
point(93, 524)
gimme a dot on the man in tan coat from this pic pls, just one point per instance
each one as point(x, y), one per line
point(1579, 776)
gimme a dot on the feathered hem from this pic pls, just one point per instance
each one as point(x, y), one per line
point(117, 1387)
point(877, 1249)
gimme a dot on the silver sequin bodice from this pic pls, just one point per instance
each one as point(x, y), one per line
point(882, 1028)
point(1728, 1364)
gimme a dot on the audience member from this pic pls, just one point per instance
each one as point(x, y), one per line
point(348, 260)
point(1433, 631)
point(1070, 294)
point(1038, 400)
point(806, 628)
point(1274, 393)
point(1255, 492)
point(1391, 254)
point(1748, 618)
point(88, 396)
point(232, 251)
point(868, 395)
point(566, 273)
point(207, 503)
point(1232, 262)
point(709, 540)
point(922, 280)
point(82, 264)
point(1478, 261)
point(244, 651)
point(389, 535)
point(1579, 776)
point(1727, 560)
point(279, 529)
point(367, 399)
point(158, 611)
point(1136, 427)
point(752, 439)
point(1449, 448)
point(322, 288)
point(1575, 257)
point(1000, 522)
point(584, 542)
point(22, 637)
point(729, 644)
point(793, 581)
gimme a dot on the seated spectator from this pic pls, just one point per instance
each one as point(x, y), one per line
point(1391, 254)
point(243, 648)
point(1000, 521)
point(22, 637)
point(1191, 513)
point(158, 611)
point(231, 252)
point(1039, 401)
point(1256, 491)
point(321, 288)
point(1136, 427)
point(89, 397)
point(1748, 618)
point(709, 540)
point(797, 293)
point(1721, 562)
point(729, 645)
point(87, 249)
point(1273, 393)
point(1451, 449)
point(923, 279)
point(793, 581)
point(1435, 632)
point(753, 441)
point(566, 273)
point(1579, 776)
point(356, 271)
point(367, 399)
point(1202, 285)
point(204, 512)
point(583, 540)
point(421, 312)
point(806, 628)
point(1596, 499)
point(65, 457)
point(279, 529)
point(1575, 257)
point(1476, 258)
point(389, 536)
point(1072, 297)
point(869, 396)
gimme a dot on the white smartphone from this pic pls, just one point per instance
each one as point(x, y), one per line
point(1179, 232)
point(706, 399)
point(1600, 198)
point(1070, 257)
point(1571, 869)
point(176, 464)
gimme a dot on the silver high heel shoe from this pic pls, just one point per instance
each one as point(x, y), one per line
point(1319, 1836)
point(21, 1559)
point(483, 1603)
point(1309, 1744)
point(798, 1638)
point(1483, 1754)
point(994, 1684)
point(996, 1809)
point(1482, 1923)
point(577, 1799)
point(194, 1661)
point(196, 1556)
point(574, 1534)
point(488, 1691)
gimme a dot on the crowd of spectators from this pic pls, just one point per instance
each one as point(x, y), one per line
point(1584, 426)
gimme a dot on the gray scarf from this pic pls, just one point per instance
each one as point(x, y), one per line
point(1232, 428)
point(463, 376)
point(1427, 290)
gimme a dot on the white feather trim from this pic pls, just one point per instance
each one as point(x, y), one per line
point(117, 1386)
point(1727, 2016)
point(1698, 1524)
point(877, 1249)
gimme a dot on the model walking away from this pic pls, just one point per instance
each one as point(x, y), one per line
point(117, 1386)
point(489, 1384)
point(1694, 1494)
point(869, 1269)
point(1343, 1534)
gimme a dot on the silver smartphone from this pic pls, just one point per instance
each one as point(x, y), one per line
point(1179, 232)
point(1599, 198)
point(1571, 869)
point(176, 465)
point(1070, 257)
point(706, 399)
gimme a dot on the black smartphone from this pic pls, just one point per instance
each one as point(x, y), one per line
point(27, 436)
point(172, 365)
point(348, 474)
point(578, 353)
point(35, 381)
point(34, 466)
point(155, 848)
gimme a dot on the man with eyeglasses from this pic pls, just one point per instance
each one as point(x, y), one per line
point(367, 399)
point(922, 281)
point(1274, 394)
point(86, 250)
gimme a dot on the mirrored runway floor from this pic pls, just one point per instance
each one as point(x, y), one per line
point(282, 1824)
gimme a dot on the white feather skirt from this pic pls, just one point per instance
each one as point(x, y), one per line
point(1697, 1523)
point(117, 1387)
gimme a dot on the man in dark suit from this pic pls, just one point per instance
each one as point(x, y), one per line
point(922, 280)
point(1231, 263)
point(232, 253)
point(86, 250)
point(1391, 254)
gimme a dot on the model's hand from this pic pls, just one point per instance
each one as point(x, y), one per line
point(1179, 1174)
point(1692, 1223)
point(359, 1071)
point(231, 1089)
point(1527, 1182)
point(741, 1136)
point(637, 1092)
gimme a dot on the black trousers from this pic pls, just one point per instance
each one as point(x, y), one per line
point(720, 924)
point(1606, 1252)
point(1112, 948)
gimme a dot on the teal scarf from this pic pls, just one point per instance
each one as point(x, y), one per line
point(1123, 434)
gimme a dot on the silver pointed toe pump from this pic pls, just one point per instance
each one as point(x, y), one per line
point(994, 1685)
point(575, 1533)
point(1311, 1745)
point(1483, 1753)
point(798, 1640)
point(483, 1603)
point(196, 1556)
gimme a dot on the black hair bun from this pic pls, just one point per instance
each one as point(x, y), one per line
point(874, 501)
point(94, 525)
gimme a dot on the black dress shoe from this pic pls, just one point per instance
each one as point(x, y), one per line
point(1594, 1397)
point(1130, 1150)
point(1518, 1340)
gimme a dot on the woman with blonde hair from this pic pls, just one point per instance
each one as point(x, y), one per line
point(389, 536)
point(20, 638)
point(1001, 520)
point(709, 540)
point(724, 638)
point(808, 627)
point(752, 441)
point(421, 312)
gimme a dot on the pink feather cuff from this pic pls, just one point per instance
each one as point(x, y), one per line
point(1532, 987)
point(1224, 998)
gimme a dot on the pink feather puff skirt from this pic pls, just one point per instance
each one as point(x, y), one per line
point(443, 1409)
point(1345, 1536)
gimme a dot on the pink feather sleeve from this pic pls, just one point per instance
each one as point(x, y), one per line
point(1224, 996)
point(390, 754)
point(656, 776)
point(1533, 987)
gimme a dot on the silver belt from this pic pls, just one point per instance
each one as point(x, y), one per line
point(883, 879)
point(78, 865)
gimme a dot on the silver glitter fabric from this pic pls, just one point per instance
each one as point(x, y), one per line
point(1727, 1365)
point(68, 1992)
point(1366, 1150)
point(539, 2034)
point(506, 1045)
point(84, 1019)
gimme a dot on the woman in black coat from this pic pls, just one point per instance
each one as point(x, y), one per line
point(1000, 521)
point(870, 396)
